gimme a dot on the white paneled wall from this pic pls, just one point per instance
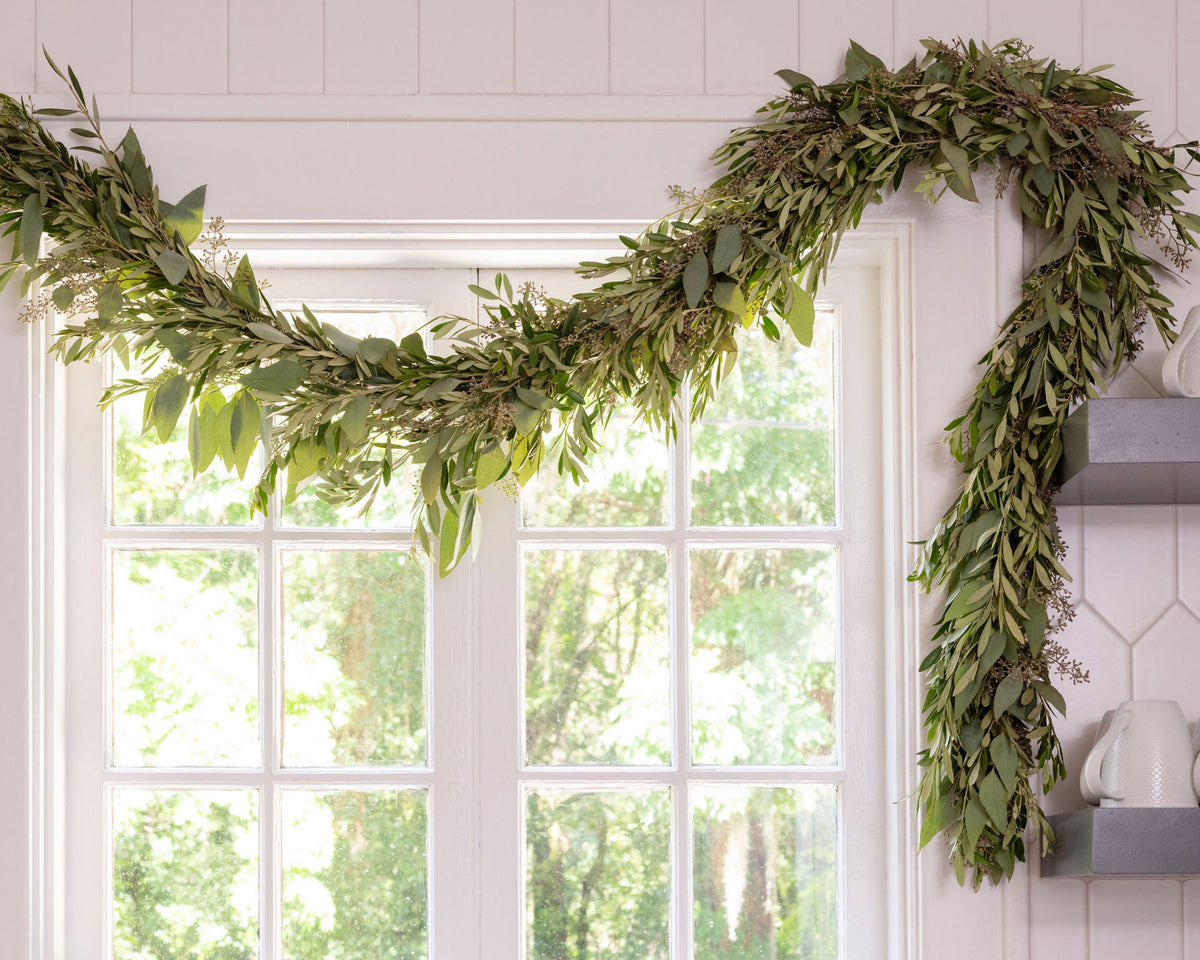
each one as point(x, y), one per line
point(591, 107)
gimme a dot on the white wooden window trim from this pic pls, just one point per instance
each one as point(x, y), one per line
point(885, 246)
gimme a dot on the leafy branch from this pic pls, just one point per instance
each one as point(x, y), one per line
point(539, 376)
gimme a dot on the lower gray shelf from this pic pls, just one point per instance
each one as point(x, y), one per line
point(1111, 841)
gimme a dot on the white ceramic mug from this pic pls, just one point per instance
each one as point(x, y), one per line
point(1143, 759)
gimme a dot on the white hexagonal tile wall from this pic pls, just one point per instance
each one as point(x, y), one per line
point(1129, 565)
point(1070, 528)
point(1165, 664)
point(1189, 556)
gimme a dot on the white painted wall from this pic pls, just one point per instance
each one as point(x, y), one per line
point(585, 109)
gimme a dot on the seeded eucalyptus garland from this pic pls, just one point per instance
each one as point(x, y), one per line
point(539, 377)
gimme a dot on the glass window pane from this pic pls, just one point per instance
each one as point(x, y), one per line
point(185, 657)
point(597, 874)
point(765, 876)
point(152, 482)
point(393, 506)
point(763, 454)
point(355, 875)
point(763, 670)
point(353, 657)
point(597, 657)
point(185, 874)
point(626, 484)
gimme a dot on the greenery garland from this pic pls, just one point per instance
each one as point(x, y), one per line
point(540, 376)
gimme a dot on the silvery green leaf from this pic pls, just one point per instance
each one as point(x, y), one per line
point(695, 279)
point(174, 266)
point(727, 248)
point(30, 237)
point(187, 216)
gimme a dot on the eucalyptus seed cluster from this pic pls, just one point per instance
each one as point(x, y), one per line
point(538, 377)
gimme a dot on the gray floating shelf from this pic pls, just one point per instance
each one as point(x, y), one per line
point(1115, 841)
point(1131, 451)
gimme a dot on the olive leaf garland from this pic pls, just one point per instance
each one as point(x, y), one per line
point(539, 376)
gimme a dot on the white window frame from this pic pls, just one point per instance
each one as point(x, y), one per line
point(885, 246)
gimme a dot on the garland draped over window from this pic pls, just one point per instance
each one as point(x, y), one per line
point(539, 376)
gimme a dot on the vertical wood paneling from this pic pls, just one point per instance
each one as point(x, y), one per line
point(561, 46)
point(1057, 919)
point(180, 47)
point(276, 46)
point(466, 46)
point(92, 37)
point(827, 28)
point(1140, 44)
point(657, 48)
point(945, 20)
point(1058, 36)
point(16, 583)
point(746, 42)
point(17, 47)
point(1187, 44)
point(1132, 917)
point(371, 47)
point(1191, 920)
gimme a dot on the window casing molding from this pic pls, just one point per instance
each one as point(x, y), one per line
point(883, 245)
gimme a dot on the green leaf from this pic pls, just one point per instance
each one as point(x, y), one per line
point(483, 292)
point(202, 438)
point(375, 350)
point(265, 331)
point(179, 345)
point(960, 163)
point(727, 248)
point(447, 541)
point(937, 817)
point(859, 63)
point(63, 296)
point(490, 467)
point(30, 237)
point(793, 79)
point(431, 478)
point(174, 266)
point(168, 405)
point(343, 342)
point(1110, 142)
point(133, 162)
point(187, 216)
point(801, 315)
point(354, 419)
point(414, 346)
point(970, 735)
point(305, 459)
point(277, 378)
point(974, 820)
point(1072, 212)
point(526, 418)
point(1004, 758)
point(729, 297)
point(109, 301)
point(244, 285)
point(1036, 623)
point(1051, 696)
point(1007, 692)
point(245, 423)
point(994, 798)
point(695, 279)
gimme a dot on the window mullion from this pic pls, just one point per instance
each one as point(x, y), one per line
point(501, 798)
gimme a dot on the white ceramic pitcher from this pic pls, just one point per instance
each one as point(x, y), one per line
point(1143, 759)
